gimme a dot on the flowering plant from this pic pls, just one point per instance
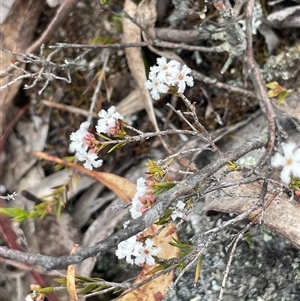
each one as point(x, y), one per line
point(166, 75)
point(143, 252)
point(84, 143)
point(142, 249)
point(290, 160)
point(163, 77)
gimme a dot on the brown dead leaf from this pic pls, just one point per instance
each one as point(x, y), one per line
point(130, 104)
point(282, 217)
point(155, 289)
point(122, 187)
point(147, 16)
point(132, 34)
point(71, 286)
point(16, 34)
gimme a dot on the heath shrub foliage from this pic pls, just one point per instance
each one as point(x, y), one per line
point(165, 76)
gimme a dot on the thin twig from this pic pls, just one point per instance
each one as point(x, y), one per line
point(55, 23)
point(236, 240)
point(67, 108)
point(255, 75)
point(99, 83)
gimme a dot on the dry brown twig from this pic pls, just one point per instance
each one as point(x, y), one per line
point(56, 22)
point(255, 75)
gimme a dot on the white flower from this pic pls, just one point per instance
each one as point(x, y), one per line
point(143, 253)
point(90, 159)
point(290, 160)
point(156, 86)
point(108, 120)
point(136, 205)
point(179, 211)
point(141, 185)
point(165, 75)
point(163, 71)
point(182, 79)
point(126, 248)
point(78, 142)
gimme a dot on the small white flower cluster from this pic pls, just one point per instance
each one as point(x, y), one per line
point(108, 121)
point(290, 160)
point(136, 204)
point(82, 141)
point(143, 198)
point(28, 298)
point(178, 211)
point(142, 252)
point(166, 75)
point(80, 145)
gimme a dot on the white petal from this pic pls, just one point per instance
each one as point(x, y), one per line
point(135, 209)
point(288, 149)
point(278, 160)
point(285, 175)
point(295, 167)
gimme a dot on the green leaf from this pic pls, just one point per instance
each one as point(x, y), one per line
point(61, 280)
point(117, 290)
point(248, 238)
point(232, 166)
point(104, 137)
point(181, 266)
point(165, 218)
point(116, 146)
point(58, 166)
point(46, 290)
point(178, 244)
point(161, 187)
point(100, 288)
point(272, 94)
point(295, 183)
point(87, 279)
point(159, 268)
point(198, 269)
point(272, 85)
point(58, 210)
point(283, 95)
point(16, 213)
point(88, 289)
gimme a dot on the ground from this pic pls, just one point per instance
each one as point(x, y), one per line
point(91, 69)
